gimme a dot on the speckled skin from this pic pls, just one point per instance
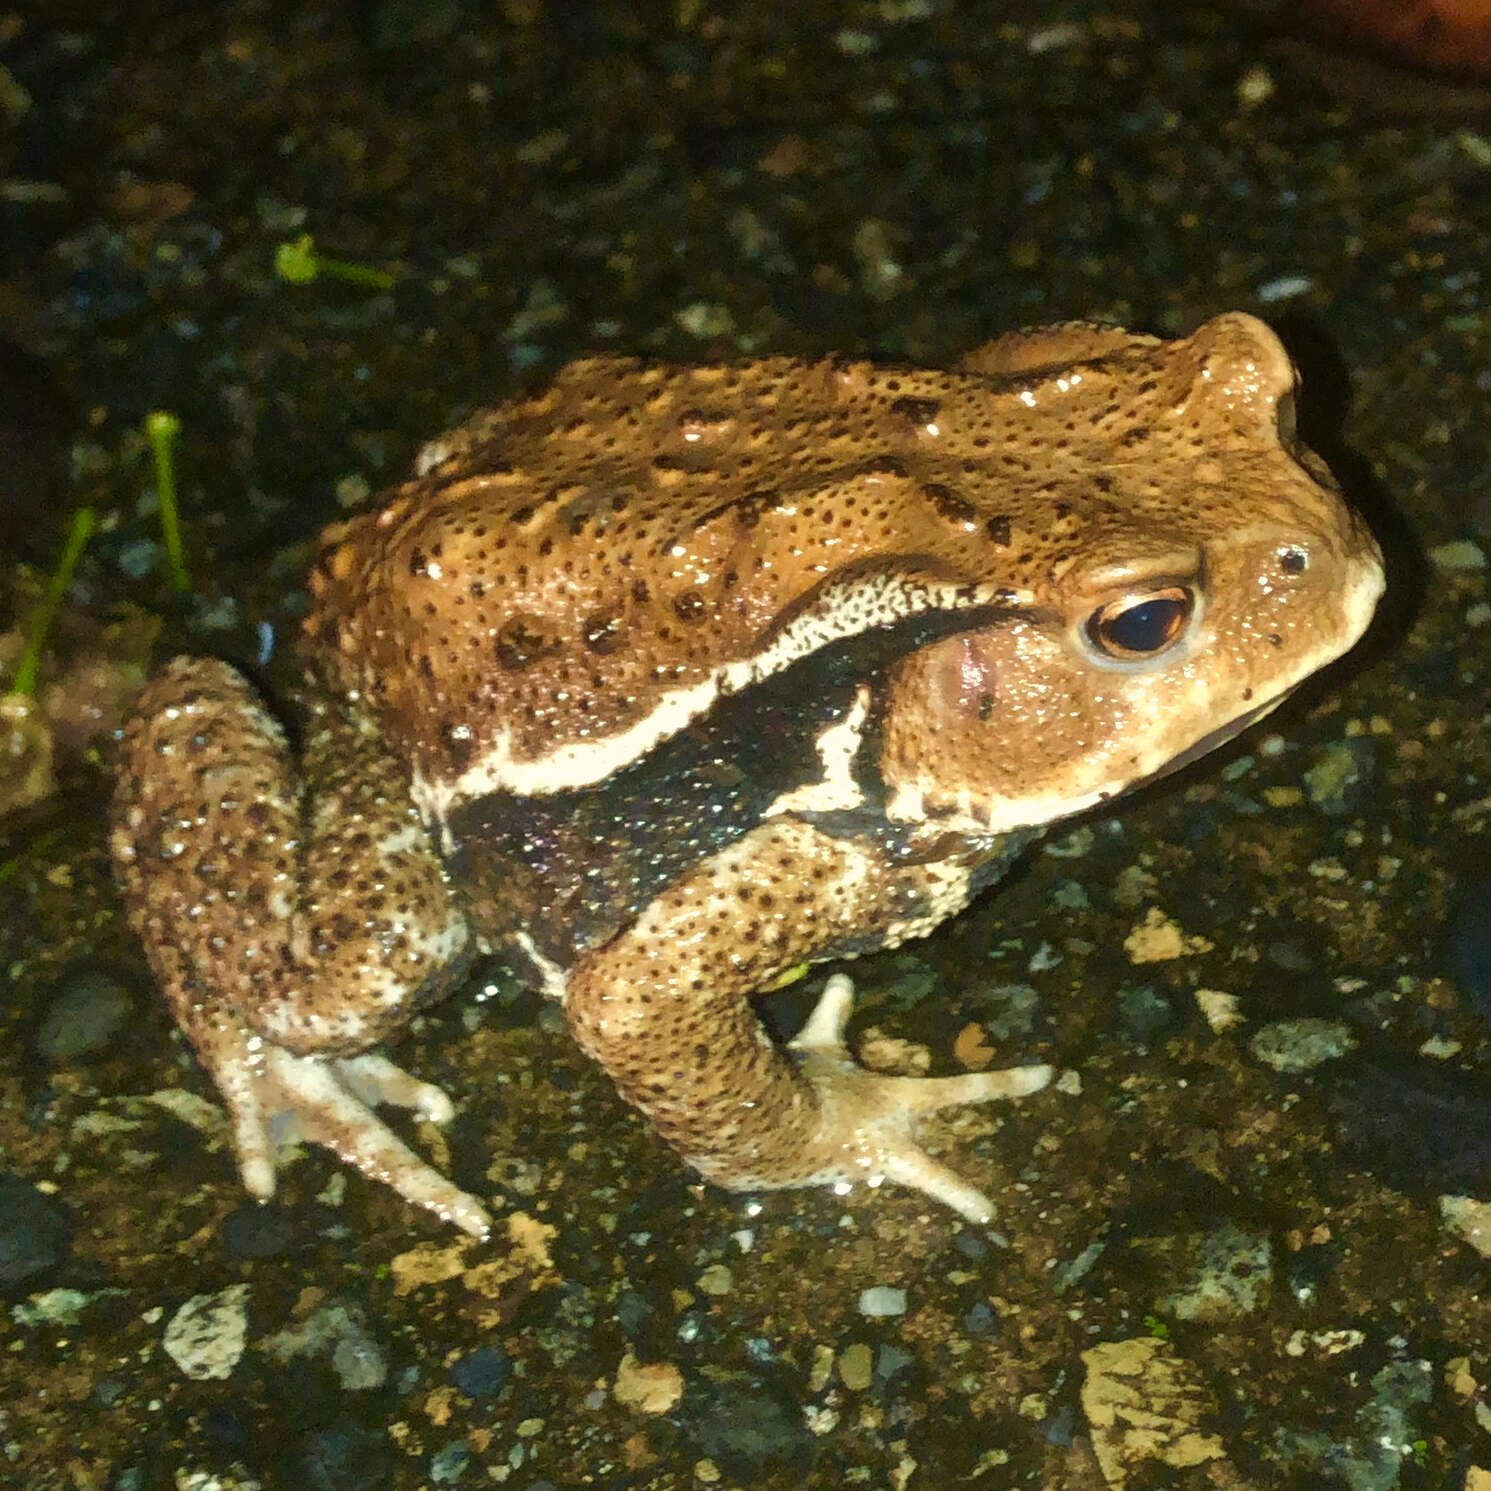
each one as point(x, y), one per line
point(697, 674)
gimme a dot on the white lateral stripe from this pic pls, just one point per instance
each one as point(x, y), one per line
point(907, 805)
point(841, 612)
point(837, 747)
point(556, 985)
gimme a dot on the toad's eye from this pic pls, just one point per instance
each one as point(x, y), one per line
point(1141, 626)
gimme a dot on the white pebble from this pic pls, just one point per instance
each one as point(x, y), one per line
point(882, 1300)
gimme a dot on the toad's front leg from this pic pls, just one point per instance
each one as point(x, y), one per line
point(289, 932)
point(665, 1009)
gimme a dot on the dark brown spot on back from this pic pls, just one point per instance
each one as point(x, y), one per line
point(917, 411)
point(689, 606)
point(603, 633)
point(949, 504)
point(522, 642)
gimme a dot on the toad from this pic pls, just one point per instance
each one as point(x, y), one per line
point(670, 680)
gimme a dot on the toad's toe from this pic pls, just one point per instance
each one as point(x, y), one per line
point(329, 1102)
point(867, 1120)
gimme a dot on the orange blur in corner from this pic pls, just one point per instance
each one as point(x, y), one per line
point(1443, 33)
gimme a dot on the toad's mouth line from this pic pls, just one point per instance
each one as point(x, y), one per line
point(1210, 741)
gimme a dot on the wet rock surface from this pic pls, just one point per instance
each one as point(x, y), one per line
point(1242, 1247)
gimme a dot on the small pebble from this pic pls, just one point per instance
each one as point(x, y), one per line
point(257, 1230)
point(51, 1307)
point(633, 1311)
point(448, 1465)
point(979, 1319)
point(482, 1373)
point(89, 1011)
point(649, 1387)
point(856, 1367)
point(1221, 1275)
point(1145, 1011)
point(206, 1336)
point(1340, 773)
point(33, 1231)
point(1300, 1045)
point(1469, 1220)
point(1286, 287)
point(337, 1331)
point(717, 1279)
point(1462, 554)
point(971, 1246)
point(882, 1301)
point(1011, 1009)
point(1222, 1010)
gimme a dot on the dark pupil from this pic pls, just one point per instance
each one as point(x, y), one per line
point(1146, 627)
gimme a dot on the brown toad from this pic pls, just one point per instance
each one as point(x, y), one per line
point(672, 679)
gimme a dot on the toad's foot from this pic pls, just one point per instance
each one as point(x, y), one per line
point(329, 1101)
point(866, 1120)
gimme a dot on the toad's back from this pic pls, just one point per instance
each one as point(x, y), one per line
point(598, 563)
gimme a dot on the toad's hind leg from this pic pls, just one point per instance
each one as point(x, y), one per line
point(288, 933)
point(665, 1009)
